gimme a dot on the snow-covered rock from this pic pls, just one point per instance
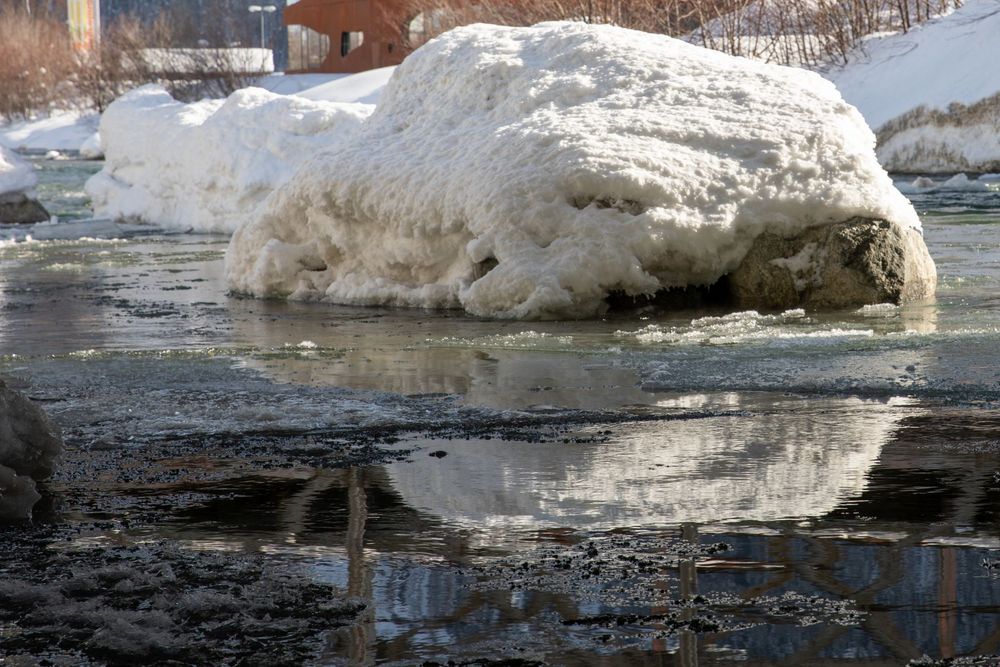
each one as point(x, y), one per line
point(16, 174)
point(530, 172)
point(208, 165)
point(91, 148)
point(29, 450)
point(17, 183)
point(931, 93)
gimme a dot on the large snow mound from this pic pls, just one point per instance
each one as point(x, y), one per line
point(16, 174)
point(207, 165)
point(529, 172)
point(927, 91)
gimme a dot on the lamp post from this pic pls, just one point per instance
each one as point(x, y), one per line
point(270, 9)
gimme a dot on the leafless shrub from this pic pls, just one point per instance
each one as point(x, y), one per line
point(792, 32)
point(36, 61)
point(39, 69)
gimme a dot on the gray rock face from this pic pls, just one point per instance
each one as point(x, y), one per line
point(20, 209)
point(849, 264)
point(30, 447)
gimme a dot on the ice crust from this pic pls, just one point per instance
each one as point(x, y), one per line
point(528, 172)
point(16, 174)
point(208, 165)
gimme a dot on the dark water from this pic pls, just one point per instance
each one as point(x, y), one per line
point(683, 489)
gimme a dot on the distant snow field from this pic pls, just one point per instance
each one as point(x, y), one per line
point(59, 130)
point(932, 94)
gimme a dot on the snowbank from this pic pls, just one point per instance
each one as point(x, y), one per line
point(207, 165)
point(528, 172)
point(18, 204)
point(957, 183)
point(16, 175)
point(61, 131)
point(91, 149)
point(925, 91)
point(364, 87)
point(963, 138)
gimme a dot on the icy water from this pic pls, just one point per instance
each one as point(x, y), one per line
point(254, 482)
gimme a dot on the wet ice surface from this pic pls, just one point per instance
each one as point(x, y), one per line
point(681, 488)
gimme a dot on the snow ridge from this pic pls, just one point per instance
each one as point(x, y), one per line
point(208, 165)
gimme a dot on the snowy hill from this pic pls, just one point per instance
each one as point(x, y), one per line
point(932, 94)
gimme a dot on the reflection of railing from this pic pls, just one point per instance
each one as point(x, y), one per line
point(878, 622)
point(792, 557)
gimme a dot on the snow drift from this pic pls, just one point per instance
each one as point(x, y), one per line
point(530, 172)
point(363, 87)
point(207, 165)
point(930, 93)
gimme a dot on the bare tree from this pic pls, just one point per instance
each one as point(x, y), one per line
point(795, 32)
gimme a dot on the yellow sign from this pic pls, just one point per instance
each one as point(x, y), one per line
point(84, 23)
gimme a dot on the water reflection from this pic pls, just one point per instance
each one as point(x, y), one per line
point(888, 506)
point(391, 353)
point(790, 458)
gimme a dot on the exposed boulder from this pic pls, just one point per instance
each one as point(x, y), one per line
point(30, 447)
point(860, 261)
point(20, 209)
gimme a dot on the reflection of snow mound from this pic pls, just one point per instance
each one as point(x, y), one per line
point(527, 172)
point(795, 461)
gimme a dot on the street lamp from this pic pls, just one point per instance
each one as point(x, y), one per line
point(270, 9)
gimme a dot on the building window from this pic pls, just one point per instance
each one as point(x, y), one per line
point(307, 49)
point(350, 41)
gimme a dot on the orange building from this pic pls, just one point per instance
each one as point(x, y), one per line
point(344, 35)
